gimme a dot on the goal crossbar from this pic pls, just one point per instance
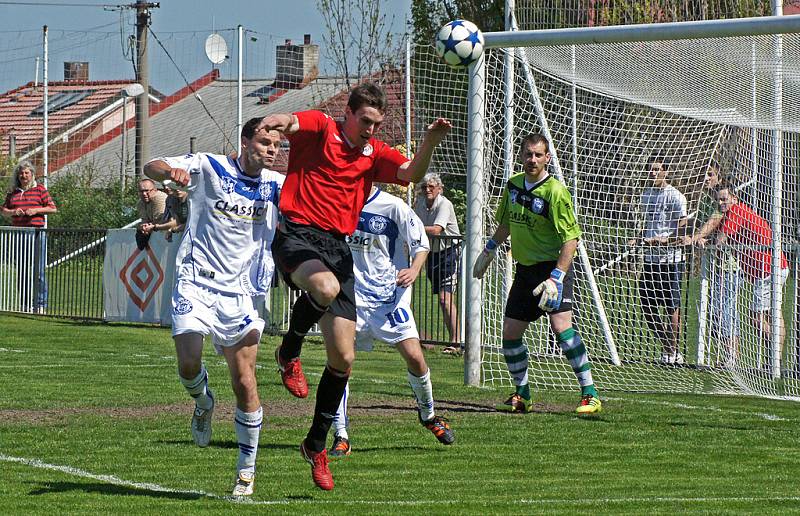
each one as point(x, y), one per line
point(645, 32)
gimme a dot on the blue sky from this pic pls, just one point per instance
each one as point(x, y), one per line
point(96, 35)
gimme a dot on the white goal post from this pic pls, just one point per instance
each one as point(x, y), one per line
point(720, 92)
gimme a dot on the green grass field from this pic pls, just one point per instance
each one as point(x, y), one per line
point(94, 421)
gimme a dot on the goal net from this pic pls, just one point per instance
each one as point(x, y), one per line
point(608, 108)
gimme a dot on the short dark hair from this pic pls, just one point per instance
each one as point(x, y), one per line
point(367, 94)
point(658, 158)
point(249, 128)
point(724, 184)
point(535, 139)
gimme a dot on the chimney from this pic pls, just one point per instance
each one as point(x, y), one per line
point(76, 71)
point(297, 65)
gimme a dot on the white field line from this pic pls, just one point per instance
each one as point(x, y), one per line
point(155, 488)
point(763, 415)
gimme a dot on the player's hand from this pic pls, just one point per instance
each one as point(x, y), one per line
point(551, 290)
point(147, 228)
point(438, 130)
point(406, 277)
point(484, 259)
point(180, 177)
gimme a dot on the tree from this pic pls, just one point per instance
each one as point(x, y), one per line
point(357, 37)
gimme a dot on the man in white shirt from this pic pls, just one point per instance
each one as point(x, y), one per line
point(663, 208)
point(383, 277)
point(437, 214)
point(223, 263)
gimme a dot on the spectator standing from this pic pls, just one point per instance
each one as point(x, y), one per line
point(437, 214)
point(743, 227)
point(27, 203)
point(151, 206)
point(720, 269)
point(176, 212)
point(664, 219)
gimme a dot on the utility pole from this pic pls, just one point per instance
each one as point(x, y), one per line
point(142, 147)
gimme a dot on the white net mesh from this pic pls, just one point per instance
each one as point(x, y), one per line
point(695, 103)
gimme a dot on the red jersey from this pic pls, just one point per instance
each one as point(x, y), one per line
point(745, 227)
point(36, 197)
point(327, 180)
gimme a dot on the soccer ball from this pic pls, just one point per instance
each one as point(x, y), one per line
point(459, 43)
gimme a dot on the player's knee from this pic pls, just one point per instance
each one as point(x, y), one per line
point(189, 368)
point(325, 291)
point(244, 386)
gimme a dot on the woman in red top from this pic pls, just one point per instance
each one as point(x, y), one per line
point(26, 204)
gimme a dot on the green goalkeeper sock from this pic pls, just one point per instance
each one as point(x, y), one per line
point(524, 391)
point(589, 390)
point(515, 353)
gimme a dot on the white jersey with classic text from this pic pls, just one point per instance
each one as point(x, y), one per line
point(386, 226)
point(231, 225)
point(663, 209)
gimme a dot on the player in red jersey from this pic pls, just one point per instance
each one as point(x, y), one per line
point(332, 166)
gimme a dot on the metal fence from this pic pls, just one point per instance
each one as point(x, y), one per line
point(52, 271)
point(60, 272)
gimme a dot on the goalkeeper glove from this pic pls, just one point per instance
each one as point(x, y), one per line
point(484, 259)
point(551, 290)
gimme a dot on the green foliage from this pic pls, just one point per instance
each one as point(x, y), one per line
point(459, 199)
point(427, 16)
point(109, 414)
point(83, 204)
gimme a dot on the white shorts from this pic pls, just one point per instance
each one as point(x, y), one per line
point(226, 317)
point(389, 323)
point(762, 288)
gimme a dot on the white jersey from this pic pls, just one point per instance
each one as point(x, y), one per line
point(384, 225)
point(662, 208)
point(231, 225)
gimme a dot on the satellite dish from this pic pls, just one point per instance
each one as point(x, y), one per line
point(216, 48)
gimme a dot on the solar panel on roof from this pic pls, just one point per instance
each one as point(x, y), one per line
point(60, 100)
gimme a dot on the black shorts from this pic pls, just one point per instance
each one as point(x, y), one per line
point(442, 269)
point(298, 243)
point(660, 284)
point(522, 305)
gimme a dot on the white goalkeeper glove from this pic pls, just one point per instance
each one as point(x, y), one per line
point(484, 259)
point(551, 290)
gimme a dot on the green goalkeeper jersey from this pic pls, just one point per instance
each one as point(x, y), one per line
point(540, 219)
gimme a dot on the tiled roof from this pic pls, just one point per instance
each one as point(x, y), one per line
point(204, 111)
point(392, 82)
point(18, 105)
point(173, 124)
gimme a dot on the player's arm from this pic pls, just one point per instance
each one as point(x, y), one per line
point(406, 277)
point(413, 171)
point(159, 170)
point(286, 123)
point(499, 236)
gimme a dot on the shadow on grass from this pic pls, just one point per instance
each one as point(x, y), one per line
point(111, 489)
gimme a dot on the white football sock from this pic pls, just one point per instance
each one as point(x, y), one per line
point(340, 420)
point(421, 385)
point(197, 388)
point(248, 427)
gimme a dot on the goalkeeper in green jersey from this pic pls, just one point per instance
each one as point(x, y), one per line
point(536, 211)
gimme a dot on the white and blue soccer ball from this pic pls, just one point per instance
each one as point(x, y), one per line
point(459, 43)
